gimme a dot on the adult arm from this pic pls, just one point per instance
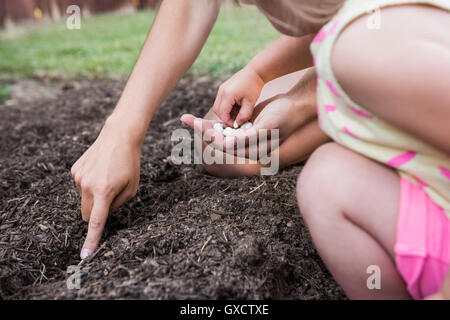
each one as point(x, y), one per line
point(107, 174)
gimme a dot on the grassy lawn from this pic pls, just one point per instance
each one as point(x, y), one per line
point(108, 45)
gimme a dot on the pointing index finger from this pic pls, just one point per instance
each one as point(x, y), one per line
point(97, 221)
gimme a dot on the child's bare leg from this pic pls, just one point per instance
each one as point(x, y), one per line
point(350, 205)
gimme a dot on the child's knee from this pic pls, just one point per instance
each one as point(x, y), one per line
point(316, 180)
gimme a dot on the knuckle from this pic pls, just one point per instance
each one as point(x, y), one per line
point(103, 188)
point(95, 223)
point(223, 114)
point(84, 185)
point(224, 90)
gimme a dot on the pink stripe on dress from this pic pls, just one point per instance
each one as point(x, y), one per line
point(329, 107)
point(347, 131)
point(445, 172)
point(320, 36)
point(401, 159)
point(422, 183)
point(332, 88)
point(360, 113)
point(333, 28)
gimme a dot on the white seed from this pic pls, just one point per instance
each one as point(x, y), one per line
point(229, 131)
point(235, 125)
point(218, 127)
point(247, 125)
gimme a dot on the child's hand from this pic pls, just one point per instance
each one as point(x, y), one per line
point(242, 89)
point(107, 176)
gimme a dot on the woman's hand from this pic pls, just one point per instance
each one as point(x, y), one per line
point(107, 176)
point(242, 89)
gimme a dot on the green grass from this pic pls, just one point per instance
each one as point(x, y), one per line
point(108, 45)
point(4, 93)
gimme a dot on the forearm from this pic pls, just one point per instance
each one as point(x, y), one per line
point(305, 91)
point(304, 99)
point(285, 55)
point(175, 40)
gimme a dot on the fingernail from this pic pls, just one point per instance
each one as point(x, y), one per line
point(85, 253)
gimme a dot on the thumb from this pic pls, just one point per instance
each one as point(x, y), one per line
point(97, 221)
point(198, 123)
point(225, 108)
point(245, 112)
point(188, 119)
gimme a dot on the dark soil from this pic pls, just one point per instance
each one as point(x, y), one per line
point(185, 235)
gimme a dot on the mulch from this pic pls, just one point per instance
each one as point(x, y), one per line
point(186, 235)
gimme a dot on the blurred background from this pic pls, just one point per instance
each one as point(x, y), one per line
point(35, 41)
point(16, 11)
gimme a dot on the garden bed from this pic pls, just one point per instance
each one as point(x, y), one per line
point(185, 235)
